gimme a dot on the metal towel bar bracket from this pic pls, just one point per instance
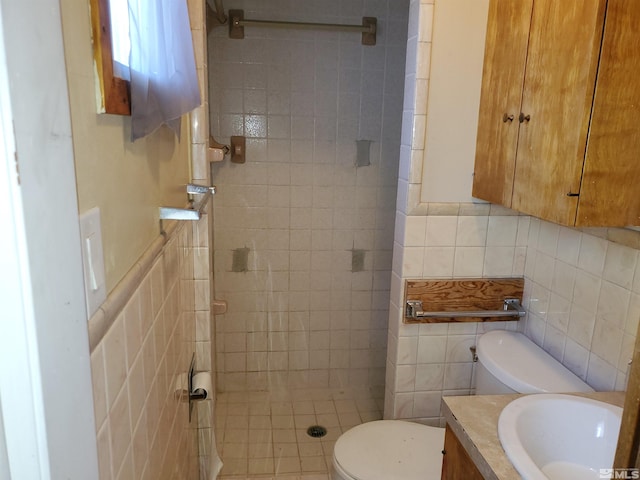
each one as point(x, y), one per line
point(193, 213)
point(512, 308)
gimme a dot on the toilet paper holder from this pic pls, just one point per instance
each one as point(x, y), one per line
point(195, 395)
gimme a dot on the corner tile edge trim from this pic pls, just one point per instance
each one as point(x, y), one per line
point(104, 317)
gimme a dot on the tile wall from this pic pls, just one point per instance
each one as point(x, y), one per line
point(582, 292)
point(428, 361)
point(310, 307)
point(204, 336)
point(199, 131)
point(583, 296)
point(203, 239)
point(143, 429)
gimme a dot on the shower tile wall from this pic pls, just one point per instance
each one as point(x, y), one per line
point(303, 237)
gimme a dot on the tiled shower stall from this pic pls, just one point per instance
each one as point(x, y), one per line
point(303, 236)
point(303, 229)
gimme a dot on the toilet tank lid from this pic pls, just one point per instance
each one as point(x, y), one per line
point(523, 366)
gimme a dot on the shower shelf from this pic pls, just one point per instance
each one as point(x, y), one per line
point(194, 213)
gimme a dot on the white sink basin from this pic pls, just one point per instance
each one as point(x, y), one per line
point(554, 436)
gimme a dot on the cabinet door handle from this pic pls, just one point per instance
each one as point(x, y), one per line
point(524, 118)
point(507, 118)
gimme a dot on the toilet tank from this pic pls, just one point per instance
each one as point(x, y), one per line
point(508, 362)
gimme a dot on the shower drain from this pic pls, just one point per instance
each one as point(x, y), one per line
point(316, 431)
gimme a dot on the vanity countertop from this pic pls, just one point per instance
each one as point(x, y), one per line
point(474, 420)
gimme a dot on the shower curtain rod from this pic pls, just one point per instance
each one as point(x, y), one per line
point(237, 22)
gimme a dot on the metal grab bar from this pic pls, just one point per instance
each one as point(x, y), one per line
point(237, 22)
point(306, 25)
point(512, 308)
point(193, 213)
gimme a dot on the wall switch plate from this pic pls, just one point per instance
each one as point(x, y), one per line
point(93, 260)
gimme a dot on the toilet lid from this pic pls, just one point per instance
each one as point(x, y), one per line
point(387, 449)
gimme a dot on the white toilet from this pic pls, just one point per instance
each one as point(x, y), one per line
point(508, 362)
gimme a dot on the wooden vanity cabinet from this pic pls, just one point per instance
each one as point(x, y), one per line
point(559, 126)
point(456, 462)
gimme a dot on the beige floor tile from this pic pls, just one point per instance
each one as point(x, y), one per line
point(262, 435)
point(305, 421)
point(259, 466)
point(234, 398)
point(310, 449)
point(350, 418)
point(287, 465)
point(237, 421)
point(234, 466)
point(281, 408)
point(259, 397)
point(282, 421)
point(343, 406)
point(313, 464)
point(327, 448)
point(284, 436)
point(328, 420)
point(259, 409)
point(260, 450)
point(235, 450)
point(324, 406)
point(303, 407)
point(370, 416)
point(260, 422)
point(238, 409)
point(366, 404)
point(235, 435)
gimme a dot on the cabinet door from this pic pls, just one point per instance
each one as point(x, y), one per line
point(504, 66)
point(562, 61)
point(456, 463)
point(610, 192)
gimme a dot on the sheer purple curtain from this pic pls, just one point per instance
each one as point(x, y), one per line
point(164, 81)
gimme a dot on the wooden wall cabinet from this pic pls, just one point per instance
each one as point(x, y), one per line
point(559, 125)
point(456, 462)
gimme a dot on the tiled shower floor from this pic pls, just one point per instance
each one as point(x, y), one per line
point(263, 434)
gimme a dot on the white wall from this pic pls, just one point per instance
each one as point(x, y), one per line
point(57, 403)
point(454, 98)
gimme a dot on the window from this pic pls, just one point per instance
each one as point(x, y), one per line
point(145, 62)
point(120, 41)
point(114, 88)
